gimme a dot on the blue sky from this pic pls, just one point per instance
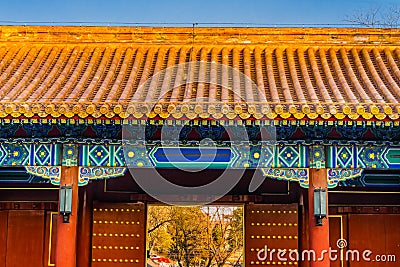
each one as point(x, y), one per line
point(174, 11)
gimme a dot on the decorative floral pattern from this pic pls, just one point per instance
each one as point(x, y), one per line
point(337, 175)
point(85, 173)
point(300, 175)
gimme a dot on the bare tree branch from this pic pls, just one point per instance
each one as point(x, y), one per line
point(391, 17)
point(388, 17)
point(370, 18)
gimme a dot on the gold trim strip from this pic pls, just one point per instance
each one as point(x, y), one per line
point(50, 237)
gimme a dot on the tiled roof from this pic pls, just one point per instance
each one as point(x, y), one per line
point(98, 72)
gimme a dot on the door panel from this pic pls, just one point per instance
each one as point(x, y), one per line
point(378, 233)
point(3, 237)
point(337, 231)
point(25, 237)
point(392, 224)
point(366, 231)
point(119, 234)
point(271, 225)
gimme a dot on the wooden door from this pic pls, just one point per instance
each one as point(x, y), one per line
point(25, 236)
point(392, 244)
point(3, 237)
point(378, 233)
point(271, 226)
point(119, 235)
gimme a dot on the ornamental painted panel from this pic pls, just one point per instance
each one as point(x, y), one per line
point(317, 156)
point(18, 152)
point(113, 153)
point(105, 155)
point(290, 156)
point(367, 156)
point(192, 157)
point(262, 154)
point(119, 234)
point(231, 155)
point(70, 155)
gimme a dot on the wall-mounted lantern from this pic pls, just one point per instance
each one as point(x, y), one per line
point(66, 202)
point(319, 205)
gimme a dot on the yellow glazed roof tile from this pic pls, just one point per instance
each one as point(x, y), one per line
point(104, 71)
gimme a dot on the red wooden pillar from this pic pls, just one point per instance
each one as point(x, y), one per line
point(318, 235)
point(67, 232)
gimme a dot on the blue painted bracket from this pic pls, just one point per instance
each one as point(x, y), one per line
point(301, 175)
point(85, 173)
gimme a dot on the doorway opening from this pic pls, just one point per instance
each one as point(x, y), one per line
point(195, 236)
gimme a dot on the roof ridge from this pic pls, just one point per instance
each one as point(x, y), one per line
point(198, 35)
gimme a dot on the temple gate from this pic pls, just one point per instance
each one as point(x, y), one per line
point(83, 108)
